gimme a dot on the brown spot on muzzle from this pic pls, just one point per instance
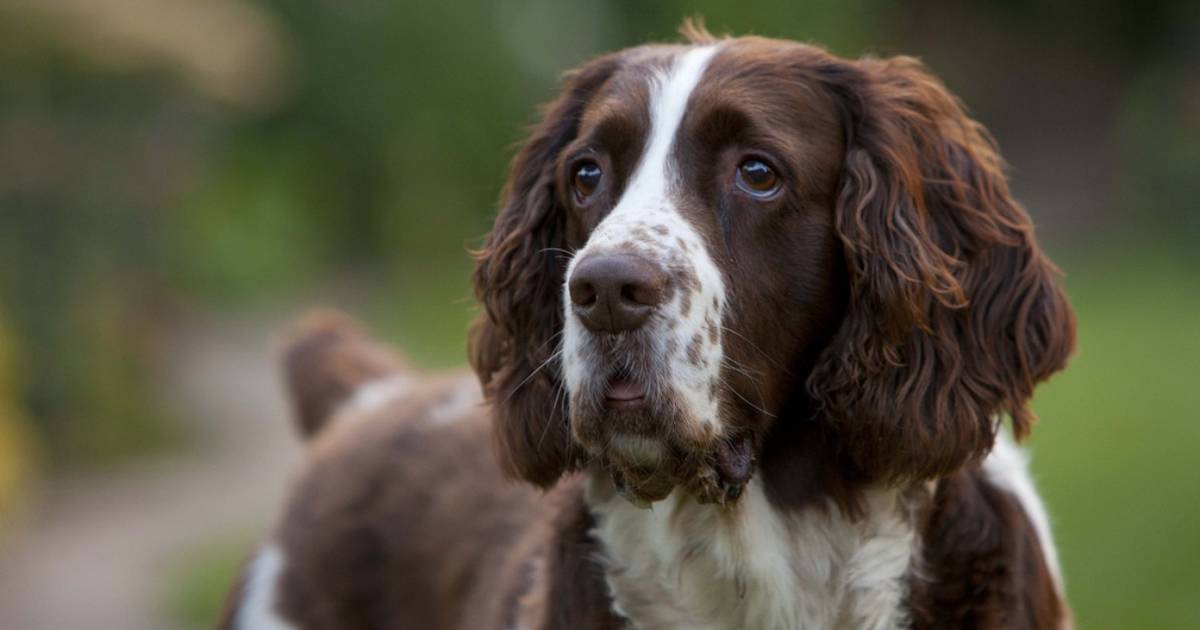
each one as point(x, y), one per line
point(711, 329)
point(685, 304)
point(693, 350)
point(686, 276)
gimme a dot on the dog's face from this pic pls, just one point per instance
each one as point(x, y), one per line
point(702, 242)
point(699, 194)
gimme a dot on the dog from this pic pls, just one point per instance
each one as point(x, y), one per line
point(753, 315)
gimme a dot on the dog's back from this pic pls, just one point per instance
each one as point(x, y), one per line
point(398, 514)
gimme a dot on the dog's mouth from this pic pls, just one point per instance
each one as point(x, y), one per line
point(624, 393)
point(643, 432)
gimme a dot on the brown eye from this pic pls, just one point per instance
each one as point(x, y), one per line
point(757, 179)
point(587, 179)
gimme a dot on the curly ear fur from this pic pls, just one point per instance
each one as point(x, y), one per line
point(519, 278)
point(955, 314)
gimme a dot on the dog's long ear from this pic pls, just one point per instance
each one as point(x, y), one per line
point(955, 314)
point(519, 278)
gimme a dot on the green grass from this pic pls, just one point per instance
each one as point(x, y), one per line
point(1115, 452)
point(196, 586)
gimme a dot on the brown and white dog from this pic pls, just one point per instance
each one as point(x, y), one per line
point(753, 316)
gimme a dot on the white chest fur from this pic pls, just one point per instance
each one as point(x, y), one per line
point(685, 565)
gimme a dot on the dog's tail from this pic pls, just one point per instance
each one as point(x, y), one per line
point(327, 357)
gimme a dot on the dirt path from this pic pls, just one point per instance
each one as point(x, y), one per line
point(93, 552)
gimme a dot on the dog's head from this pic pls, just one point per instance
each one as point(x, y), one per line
point(701, 243)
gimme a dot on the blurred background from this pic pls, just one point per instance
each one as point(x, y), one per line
point(178, 179)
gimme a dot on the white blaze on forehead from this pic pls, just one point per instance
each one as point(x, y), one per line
point(647, 221)
point(668, 103)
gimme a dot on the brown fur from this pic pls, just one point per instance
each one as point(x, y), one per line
point(887, 308)
point(519, 280)
point(326, 358)
point(374, 532)
point(955, 313)
point(983, 565)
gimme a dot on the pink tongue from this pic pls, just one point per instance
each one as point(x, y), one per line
point(625, 390)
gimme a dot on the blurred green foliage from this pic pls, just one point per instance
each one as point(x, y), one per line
point(1115, 452)
point(196, 586)
point(130, 196)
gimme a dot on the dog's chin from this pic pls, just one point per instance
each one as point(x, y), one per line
point(714, 476)
point(639, 435)
point(631, 445)
point(641, 486)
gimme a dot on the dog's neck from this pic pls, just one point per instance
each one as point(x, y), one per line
point(752, 565)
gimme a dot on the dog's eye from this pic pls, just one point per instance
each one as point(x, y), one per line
point(757, 179)
point(587, 179)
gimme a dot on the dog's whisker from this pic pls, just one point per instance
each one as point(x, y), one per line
point(559, 388)
point(740, 369)
point(552, 339)
point(533, 373)
point(745, 400)
point(557, 250)
point(753, 346)
point(750, 375)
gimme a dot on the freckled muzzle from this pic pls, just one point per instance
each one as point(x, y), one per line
point(641, 354)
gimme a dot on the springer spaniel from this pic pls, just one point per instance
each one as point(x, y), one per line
point(753, 316)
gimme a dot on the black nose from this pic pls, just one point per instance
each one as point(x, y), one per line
point(616, 292)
